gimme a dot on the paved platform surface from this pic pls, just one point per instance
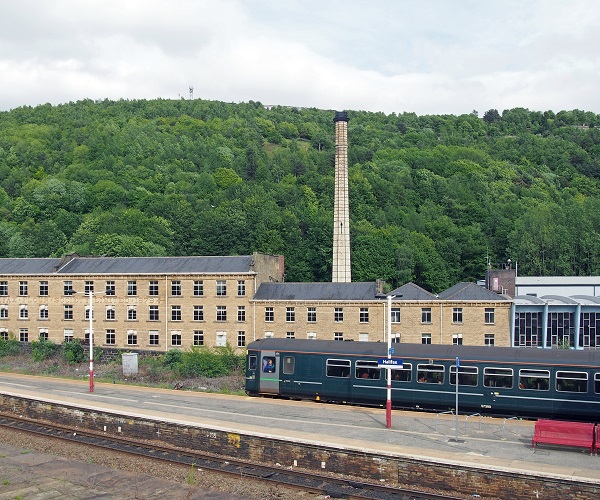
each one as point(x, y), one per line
point(31, 475)
point(500, 444)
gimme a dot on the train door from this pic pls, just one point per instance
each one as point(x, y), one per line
point(269, 372)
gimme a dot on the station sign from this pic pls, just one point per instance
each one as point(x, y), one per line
point(392, 363)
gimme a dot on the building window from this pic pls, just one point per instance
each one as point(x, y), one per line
point(68, 288)
point(241, 314)
point(311, 335)
point(131, 337)
point(131, 313)
point(87, 312)
point(4, 288)
point(176, 288)
point(43, 335)
point(23, 288)
point(457, 339)
point(311, 314)
point(198, 337)
point(221, 288)
point(132, 288)
point(3, 311)
point(290, 335)
point(198, 313)
point(23, 312)
point(488, 339)
point(175, 313)
point(395, 338)
point(290, 314)
point(241, 288)
point(175, 338)
point(68, 312)
point(88, 287)
point(68, 335)
point(241, 338)
point(109, 289)
point(23, 335)
point(3, 334)
point(221, 313)
point(110, 338)
point(457, 315)
point(364, 315)
point(43, 288)
point(43, 311)
point(338, 336)
point(269, 335)
point(221, 339)
point(153, 314)
point(395, 315)
point(426, 338)
point(153, 288)
point(198, 288)
point(269, 314)
point(338, 314)
point(363, 337)
point(153, 337)
point(426, 315)
point(110, 313)
point(489, 316)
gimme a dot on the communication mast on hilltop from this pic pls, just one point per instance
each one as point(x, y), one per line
point(191, 92)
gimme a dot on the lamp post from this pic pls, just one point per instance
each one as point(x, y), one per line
point(91, 313)
point(388, 402)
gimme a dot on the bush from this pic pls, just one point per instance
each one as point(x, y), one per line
point(10, 347)
point(172, 358)
point(42, 349)
point(73, 351)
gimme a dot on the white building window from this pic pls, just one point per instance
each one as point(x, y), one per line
point(221, 339)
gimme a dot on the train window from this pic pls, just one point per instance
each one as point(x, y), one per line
point(498, 377)
point(571, 381)
point(534, 380)
point(268, 364)
point(403, 374)
point(430, 374)
point(366, 369)
point(252, 362)
point(467, 375)
point(338, 368)
point(289, 365)
point(597, 383)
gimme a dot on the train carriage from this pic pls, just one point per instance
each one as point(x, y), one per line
point(527, 382)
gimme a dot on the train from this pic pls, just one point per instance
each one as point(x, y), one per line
point(497, 381)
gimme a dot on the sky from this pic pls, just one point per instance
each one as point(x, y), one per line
point(393, 56)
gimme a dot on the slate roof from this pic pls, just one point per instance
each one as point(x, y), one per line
point(317, 291)
point(470, 291)
point(128, 265)
point(410, 291)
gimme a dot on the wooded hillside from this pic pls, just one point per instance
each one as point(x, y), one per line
point(431, 197)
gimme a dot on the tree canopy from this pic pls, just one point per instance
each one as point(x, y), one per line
point(432, 198)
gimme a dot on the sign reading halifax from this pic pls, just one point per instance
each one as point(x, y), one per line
point(392, 363)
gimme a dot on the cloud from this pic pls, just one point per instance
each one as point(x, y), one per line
point(429, 56)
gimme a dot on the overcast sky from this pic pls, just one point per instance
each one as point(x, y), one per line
point(426, 56)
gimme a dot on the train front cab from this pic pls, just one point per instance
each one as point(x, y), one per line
point(262, 372)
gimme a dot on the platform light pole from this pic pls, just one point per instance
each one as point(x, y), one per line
point(91, 313)
point(388, 402)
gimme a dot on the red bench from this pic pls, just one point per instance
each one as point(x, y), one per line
point(565, 433)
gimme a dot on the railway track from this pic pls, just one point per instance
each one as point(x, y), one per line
point(317, 484)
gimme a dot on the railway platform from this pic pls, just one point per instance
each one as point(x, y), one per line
point(470, 440)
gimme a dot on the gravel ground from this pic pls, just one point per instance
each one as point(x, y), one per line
point(239, 487)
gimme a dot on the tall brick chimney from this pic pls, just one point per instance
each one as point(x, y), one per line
point(341, 272)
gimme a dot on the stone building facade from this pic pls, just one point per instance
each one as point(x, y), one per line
point(162, 303)
point(145, 303)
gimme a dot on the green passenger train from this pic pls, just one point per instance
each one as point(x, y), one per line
point(525, 382)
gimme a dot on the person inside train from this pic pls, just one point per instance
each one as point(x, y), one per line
point(365, 374)
point(269, 366)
